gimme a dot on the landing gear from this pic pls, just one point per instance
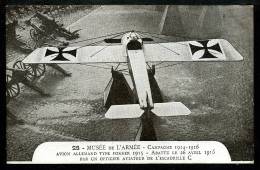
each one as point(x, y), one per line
point(117, 91)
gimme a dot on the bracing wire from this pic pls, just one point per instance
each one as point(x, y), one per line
point(158, 37)
point(170, 65)
point(118, 34)
point(110, 65)
point(148, 65)
point(125, 72)
point(98, 41)
point(99, 50)
point(167, 48)
point(163, 35)
point(123, 69)
point(159, 63)
point(154, 36)
point(90, 65)
point(122, 66)
point(117, 65)
point(100, 37)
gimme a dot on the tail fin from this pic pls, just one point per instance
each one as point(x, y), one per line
point(134, 111)
point(170, 109)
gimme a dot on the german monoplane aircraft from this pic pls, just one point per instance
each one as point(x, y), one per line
point(133, 50)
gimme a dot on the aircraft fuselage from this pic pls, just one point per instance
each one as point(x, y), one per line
point(133, 45)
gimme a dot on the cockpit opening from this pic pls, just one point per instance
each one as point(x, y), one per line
point(134, 45)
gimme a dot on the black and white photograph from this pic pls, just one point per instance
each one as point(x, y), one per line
point(129, 73)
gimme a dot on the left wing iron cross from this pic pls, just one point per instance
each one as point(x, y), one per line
point(61, 54)
point(207, 49)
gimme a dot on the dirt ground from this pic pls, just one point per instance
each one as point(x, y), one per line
point(220, 95)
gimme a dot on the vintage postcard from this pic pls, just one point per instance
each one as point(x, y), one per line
point(129, 84)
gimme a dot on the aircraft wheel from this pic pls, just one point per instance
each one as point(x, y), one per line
point(12, 89)
point(30, 76)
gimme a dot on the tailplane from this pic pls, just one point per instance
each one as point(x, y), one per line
point(170, 109)
point(124, 111)
point(134, 111)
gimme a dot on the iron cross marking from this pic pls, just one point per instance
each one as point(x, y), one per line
point(206, 54)
point(60, 53)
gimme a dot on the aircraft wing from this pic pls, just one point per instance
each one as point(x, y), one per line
point(206, 50)
point(87, 54)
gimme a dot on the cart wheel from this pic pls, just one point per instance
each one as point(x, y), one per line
point(7, 93)
point(39, 69)
point(30, 76)
point(12, 89)
point(7, 99)
point(34, 35)
point(36, 45)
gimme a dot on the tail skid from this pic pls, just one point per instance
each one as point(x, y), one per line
point(134, 111)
